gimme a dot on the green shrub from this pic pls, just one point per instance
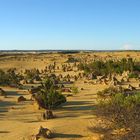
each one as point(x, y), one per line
point(72, 60)
point(133, 75)
point(10, 77)
point(74, 90)
point(121, 109)
point(100, 67)
point(111, 91)
point(32, 74)
point(48, 97)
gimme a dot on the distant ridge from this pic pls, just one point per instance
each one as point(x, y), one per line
point(62, 51)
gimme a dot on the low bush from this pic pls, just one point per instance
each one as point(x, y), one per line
point(100, 67)
point(123, 111)
point(10, 77)
point(48, 96)
point(74, 90)
point(72, 60)
point(108, 92)
point(133, 75)
point(32, 75)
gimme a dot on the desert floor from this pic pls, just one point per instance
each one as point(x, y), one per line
point(74, 119)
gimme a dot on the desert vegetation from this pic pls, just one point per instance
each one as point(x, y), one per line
point(49, 96)
point(10, 77)
point(122, 110)
point(100, 67)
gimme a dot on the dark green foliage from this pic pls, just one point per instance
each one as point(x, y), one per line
point(100, 67)
point(84, 67)
point(3, 78)
point(49, 97)
point(13, 77)
point(32, 74)
point(10, 77)
point(68, 52)
point(74, 90)
point(133, 75)
point(137, 66)
point(72, 60)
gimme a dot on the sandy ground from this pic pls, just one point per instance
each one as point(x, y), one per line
point(18, 121)
point(21, 120)
point(27, 61)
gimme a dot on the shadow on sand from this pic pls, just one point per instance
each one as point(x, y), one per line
point(59, 135)
point(75, 109)
point(77, 106)
point(4, 132)
point(14, 93)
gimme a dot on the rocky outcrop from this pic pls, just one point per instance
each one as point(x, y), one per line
point(48, 115)
point(44, 133)
point(2, 92)
point(21, 99)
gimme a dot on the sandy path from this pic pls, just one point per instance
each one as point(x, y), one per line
point(20, 120)
point(76, 116)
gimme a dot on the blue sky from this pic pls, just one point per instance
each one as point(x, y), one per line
point(70, 24)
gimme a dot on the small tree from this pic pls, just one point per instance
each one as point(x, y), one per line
point(49, 97)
